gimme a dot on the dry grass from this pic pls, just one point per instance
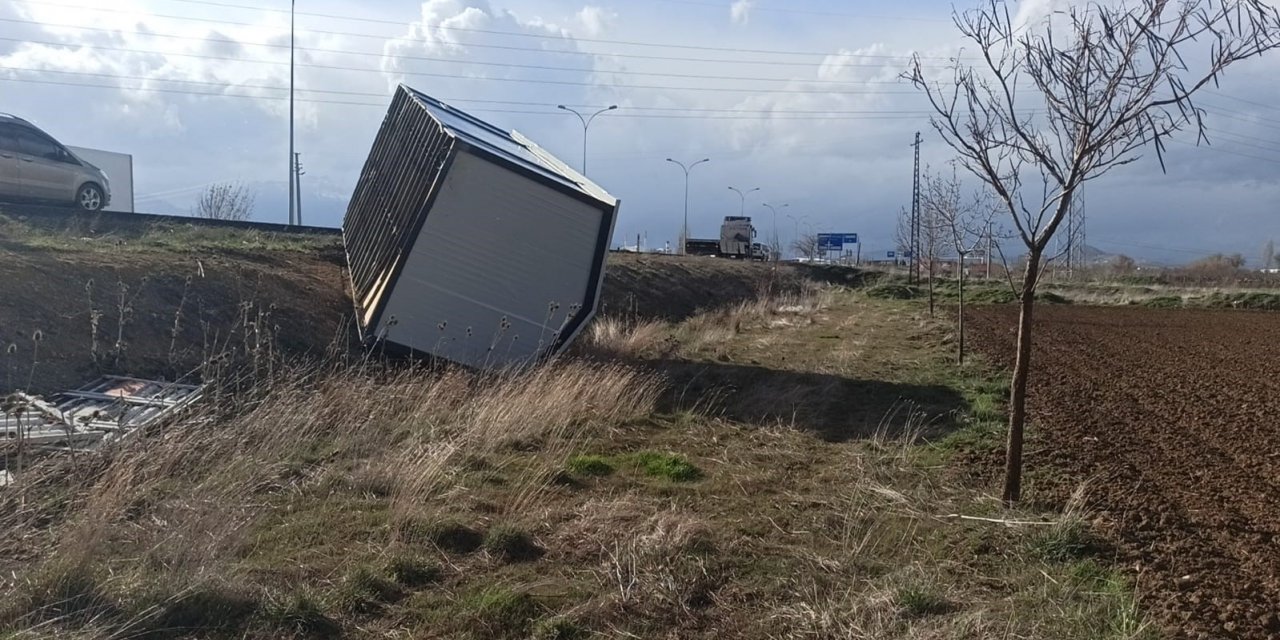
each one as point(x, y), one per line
point(450, 504)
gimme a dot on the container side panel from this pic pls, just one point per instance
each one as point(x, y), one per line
point(502, 265)
point(387, 209)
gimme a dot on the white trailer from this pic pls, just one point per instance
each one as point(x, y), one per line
point(119, 170)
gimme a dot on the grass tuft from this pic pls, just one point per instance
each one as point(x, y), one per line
point(412, 570)
point(300, 613)
point(590, 465)
point(365, 590)
point(665, 465)
point(449, 535)
point(919, 602)
point(512, 544)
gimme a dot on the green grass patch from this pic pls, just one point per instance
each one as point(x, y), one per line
point(668, 466)
point(502, 612)
point(893, 292)
point(920, 601)
point(992, 295)
point(590, 465)
point(559, 628)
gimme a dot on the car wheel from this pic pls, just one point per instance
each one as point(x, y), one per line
point(89, 197)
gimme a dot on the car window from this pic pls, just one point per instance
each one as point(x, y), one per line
point(36, 145)
point(7, 141)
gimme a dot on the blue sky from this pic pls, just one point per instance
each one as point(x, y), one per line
point(798, 98)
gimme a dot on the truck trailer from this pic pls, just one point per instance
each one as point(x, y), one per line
point(737, 241)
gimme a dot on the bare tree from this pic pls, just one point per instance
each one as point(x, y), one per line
point(1123, 265)
point(1050, 105)
point(806, 245)
point(962, 221)
point(225, 201)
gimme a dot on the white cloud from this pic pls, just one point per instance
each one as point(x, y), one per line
point(595, 20)
point(740, 11)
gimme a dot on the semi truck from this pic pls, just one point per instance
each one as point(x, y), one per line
point(737, 240)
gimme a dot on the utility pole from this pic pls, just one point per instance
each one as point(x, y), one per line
point(913, 273)
point(777, 243)
point(586, 123)
point(989, 243)
point(684, 234)
point(292, 192)
point(297, 178)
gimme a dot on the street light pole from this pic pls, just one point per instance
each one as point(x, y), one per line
point(742, 210)
point(684, 233)
point(777, 243)
point(292, 156)
point(586, 122)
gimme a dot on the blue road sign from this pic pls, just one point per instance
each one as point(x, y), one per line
point(906, 254)
point(893, 254)
point(835, 241)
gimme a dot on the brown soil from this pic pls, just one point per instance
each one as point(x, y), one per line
point(1175, 416)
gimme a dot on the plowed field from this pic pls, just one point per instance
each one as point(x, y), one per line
point(1176, 416)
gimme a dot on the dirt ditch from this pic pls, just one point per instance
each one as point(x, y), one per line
point(1175, 415)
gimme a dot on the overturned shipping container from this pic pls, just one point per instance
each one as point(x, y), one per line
point(469, 243)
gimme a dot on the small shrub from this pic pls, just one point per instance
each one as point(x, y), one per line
point(893, 292)
point(590, 465)
point(1066, 542)
point(300, 613)
point(992, 295)
point(512, 544)
point(449, 535)
point(918, 602)
point(666, 465)
point(412, 570)
point(1164, 302)
point(364, 590)
point(1049, 297)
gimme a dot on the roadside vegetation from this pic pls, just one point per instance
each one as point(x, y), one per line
point(806, 464)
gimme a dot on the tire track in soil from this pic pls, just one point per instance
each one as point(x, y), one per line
point(1176, 413)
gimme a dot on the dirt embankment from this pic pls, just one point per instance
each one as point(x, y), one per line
point(157, 301)
point(1174, 415)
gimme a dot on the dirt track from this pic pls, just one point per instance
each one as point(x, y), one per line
point(1176, 414)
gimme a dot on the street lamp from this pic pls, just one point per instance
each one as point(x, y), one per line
point(586, 122)
point(797, 220)
point(684, 234)
point(742, 210)
point(777, 243)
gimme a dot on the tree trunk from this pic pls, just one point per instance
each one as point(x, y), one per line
point(1018, 388)
point(930, 287)
point(960, 318)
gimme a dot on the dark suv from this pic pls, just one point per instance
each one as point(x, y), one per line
point(35, 167)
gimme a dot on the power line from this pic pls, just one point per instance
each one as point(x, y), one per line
point(633, 43)
point(763, 116)
point(454, 60)
point(467, 77)
point(815, 12)
point(629, 108)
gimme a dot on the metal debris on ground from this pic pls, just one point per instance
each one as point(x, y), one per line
point(102, 411)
